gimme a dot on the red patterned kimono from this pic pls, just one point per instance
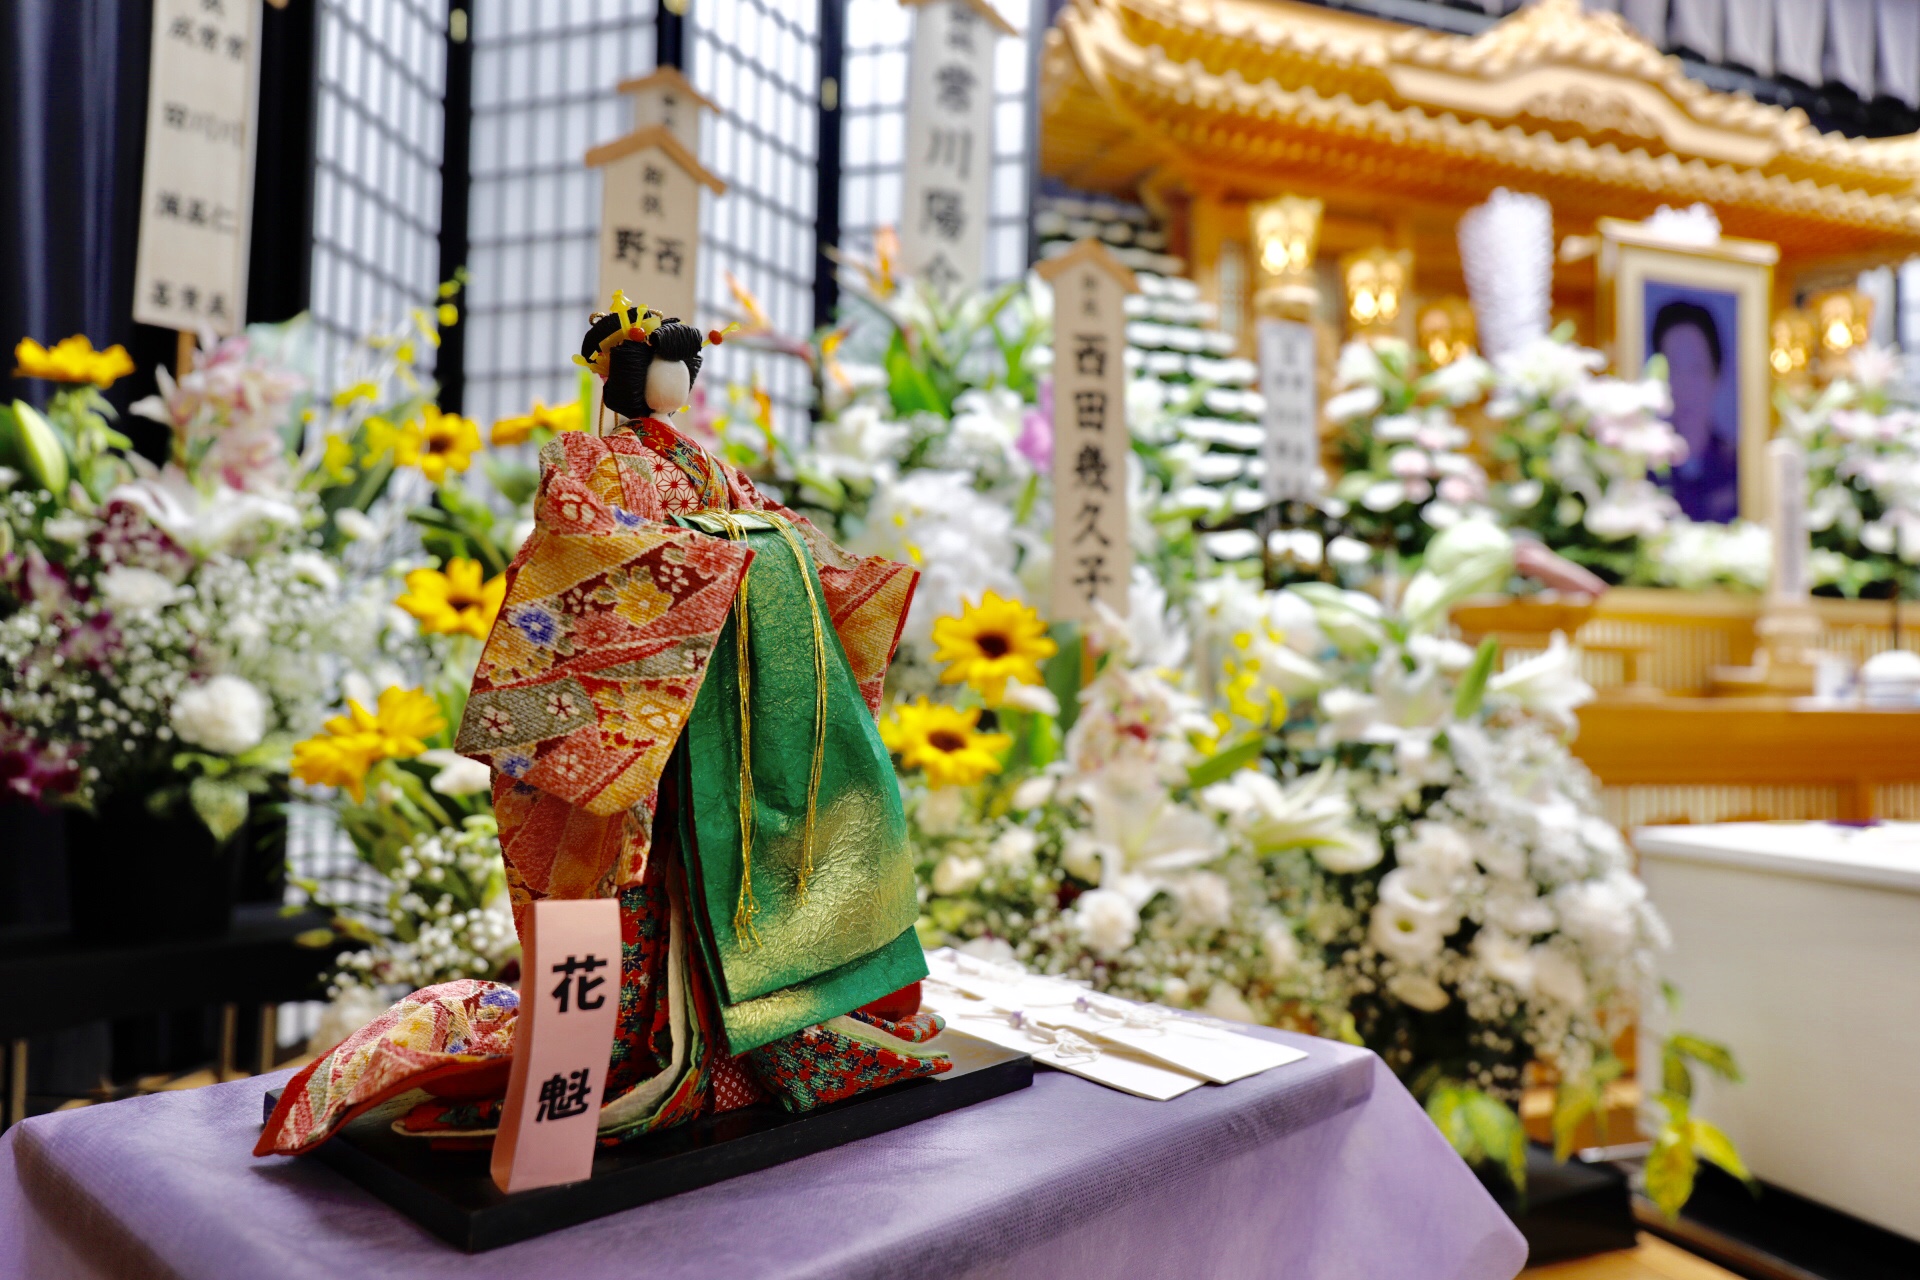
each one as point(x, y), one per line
point(584, 687)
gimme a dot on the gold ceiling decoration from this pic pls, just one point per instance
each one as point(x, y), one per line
point(1246, 99)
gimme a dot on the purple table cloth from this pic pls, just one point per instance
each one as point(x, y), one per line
point(1323, 1168)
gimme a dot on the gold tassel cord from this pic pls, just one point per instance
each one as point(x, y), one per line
point(746, 908)
point(819, 701)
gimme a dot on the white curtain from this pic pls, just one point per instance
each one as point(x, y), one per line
point(1899, 32)
point(1870, 46)
point(1850, 59)
point(1696, 26)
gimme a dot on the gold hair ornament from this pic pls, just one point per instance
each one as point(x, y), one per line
point(636, 325)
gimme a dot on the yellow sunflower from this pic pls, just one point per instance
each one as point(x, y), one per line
point(72, 360)
point(456, 602)
point(991, 643)
point(561, 417)
point(398, 729)
point(942, 742)
point(337, 461)
point(439, 443)
point(337, 760)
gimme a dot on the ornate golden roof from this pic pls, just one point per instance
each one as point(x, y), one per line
point(1248, 98)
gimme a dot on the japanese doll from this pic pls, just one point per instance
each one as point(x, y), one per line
point(678, 703)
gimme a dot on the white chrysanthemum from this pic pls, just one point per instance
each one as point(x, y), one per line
point(1601, 915)
point(1206, 900)
point(459, 775)
point(955, 874)
point(129, 590)
point(1106, 921)
point(1557, 976)
point(1012, 849)
point(226, 715)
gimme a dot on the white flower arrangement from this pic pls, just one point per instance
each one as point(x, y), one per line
point(445, 915)
point(1863, 483)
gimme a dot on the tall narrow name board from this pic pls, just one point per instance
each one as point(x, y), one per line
point(949, 158)
point(1290, 449)
point(650, 220)
point(196, 195)
point(666, 97)
point(1092, 557)
point(562, 1044)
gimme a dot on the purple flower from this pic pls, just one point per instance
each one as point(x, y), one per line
point(1036, 429)
point(94, 643)
point(35, 770)
point(45, 585)
point(126, 536)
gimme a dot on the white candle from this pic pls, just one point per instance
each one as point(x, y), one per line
point(1790, 545)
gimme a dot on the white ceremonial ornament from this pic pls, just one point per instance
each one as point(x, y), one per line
point(1290, 445)
point(1092, 553)
point(1506, 252)
point(949, 143)
point(196, 192)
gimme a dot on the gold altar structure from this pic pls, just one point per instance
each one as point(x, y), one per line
point(1329, 156)
point(1204, 108)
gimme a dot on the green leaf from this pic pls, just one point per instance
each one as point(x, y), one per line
point(1445, 1107)
point(38, 447)
point(515, 481)
point(221, 804)
point(1715, 1057)
point(1572, 1104)
point(1499, 1132)
point(1671, 1167)
point(1473, 684)
point(1043, 741)
point(908, 385)
point(1061, 672)
point(1226, 762)
point(1674, 1076)
point(1711, 1143)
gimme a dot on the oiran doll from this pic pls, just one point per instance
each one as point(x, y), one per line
point(678, 704)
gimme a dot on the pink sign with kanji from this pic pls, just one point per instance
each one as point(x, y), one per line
point(569, 994)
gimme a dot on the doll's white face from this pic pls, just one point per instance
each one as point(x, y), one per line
point(668, 385)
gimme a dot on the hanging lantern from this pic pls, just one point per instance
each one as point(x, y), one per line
point(1286, 233)
point(1376, 282)
point(1446, 329)
point(1844, 317)
point(1791, 344)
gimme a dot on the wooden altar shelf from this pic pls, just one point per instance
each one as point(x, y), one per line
point(1734, 759)
point(1633, 637)
point(1665, 751)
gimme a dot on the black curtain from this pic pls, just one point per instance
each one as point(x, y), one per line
point(73, 106)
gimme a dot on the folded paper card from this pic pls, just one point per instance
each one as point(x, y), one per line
point(1148, 1050)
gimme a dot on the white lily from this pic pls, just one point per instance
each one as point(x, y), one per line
point(1547, 684)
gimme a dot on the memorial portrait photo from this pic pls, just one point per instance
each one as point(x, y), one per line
point(1702, 308)
point(1692, 329)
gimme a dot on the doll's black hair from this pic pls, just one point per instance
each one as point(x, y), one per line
point(628, 363)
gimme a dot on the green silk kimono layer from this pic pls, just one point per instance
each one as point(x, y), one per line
point(801, 880)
